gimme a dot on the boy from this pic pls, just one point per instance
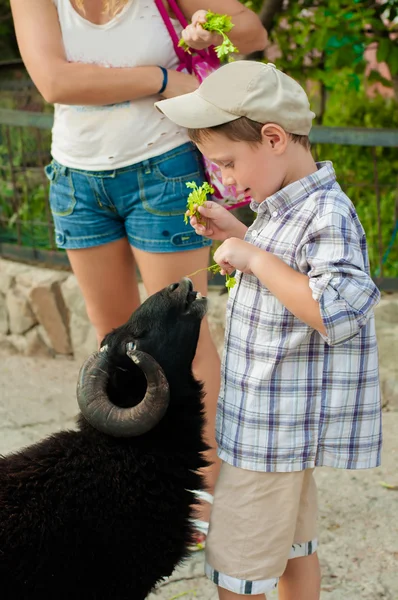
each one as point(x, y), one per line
point(300, 384)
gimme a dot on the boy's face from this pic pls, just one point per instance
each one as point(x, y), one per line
point(255, 169)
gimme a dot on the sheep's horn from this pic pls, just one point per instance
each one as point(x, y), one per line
point(111, 419)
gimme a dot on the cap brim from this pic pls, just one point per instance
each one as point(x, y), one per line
point(193, 112)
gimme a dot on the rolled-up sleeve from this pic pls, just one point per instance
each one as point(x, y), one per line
point(337, 266)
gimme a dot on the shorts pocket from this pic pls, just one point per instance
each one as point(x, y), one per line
point(62, 192)
point(181, 167)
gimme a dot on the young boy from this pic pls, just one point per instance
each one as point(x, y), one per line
point(300, 385)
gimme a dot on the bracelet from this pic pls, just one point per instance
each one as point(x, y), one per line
point(165, 80)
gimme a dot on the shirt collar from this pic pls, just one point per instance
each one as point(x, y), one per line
point(325, 176)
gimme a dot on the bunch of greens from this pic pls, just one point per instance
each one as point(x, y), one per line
point(196, 198)
point(230, 281)
point(222, 25)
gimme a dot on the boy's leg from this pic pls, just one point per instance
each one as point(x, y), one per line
point(253, 528)
point(301, 579)
point(224, 594)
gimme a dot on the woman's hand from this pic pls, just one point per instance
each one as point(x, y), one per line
point(196, 37)
point(217, 223)
point(179, 83)
point(247, 35)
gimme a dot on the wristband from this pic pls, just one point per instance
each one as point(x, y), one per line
point(165, 80)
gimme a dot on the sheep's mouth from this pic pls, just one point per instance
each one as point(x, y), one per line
point(191, 298)
point(194, 302)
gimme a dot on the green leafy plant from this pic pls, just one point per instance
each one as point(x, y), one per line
point(230, 281)
point(222, 25)
point(196, 198)
point(326, 41)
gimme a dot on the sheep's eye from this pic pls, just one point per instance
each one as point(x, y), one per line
point(130, 346)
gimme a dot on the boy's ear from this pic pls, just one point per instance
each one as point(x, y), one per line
point(275, 137)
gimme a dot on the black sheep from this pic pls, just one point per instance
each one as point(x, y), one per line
point(105, 512)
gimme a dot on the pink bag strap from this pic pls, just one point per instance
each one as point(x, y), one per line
point(184, 57)
point(208, 56)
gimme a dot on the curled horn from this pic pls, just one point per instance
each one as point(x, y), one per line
point(111, 419)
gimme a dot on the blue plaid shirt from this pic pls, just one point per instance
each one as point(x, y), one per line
point(291, 398)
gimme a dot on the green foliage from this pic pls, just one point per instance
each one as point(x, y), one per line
point(222, 25)
point(24, 188)
point(230, 281)
point(325, 40)
point(355, 169)
point(196, 198)
point(8, 44)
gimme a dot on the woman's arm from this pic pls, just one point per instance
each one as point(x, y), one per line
point(59, 81)
point(248, 34)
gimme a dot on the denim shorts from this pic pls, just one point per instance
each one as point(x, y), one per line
point(144, 202)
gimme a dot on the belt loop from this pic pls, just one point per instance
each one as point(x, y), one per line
point(147, 167)
point(63, 170)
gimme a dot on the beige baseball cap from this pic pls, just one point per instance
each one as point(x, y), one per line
point(244, 88)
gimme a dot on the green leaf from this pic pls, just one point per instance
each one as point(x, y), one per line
point(196, 198)
point(383, 49)
point(221, 24)
point(393, 61)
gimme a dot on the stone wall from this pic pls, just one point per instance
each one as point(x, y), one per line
point(42, 312)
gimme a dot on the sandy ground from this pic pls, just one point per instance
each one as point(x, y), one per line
point(358, 515)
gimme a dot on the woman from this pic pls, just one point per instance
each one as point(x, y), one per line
point(119, 167)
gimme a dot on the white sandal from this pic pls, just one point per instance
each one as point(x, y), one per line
point(201, 526)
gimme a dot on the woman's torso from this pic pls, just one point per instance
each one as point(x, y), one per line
point(117, 135)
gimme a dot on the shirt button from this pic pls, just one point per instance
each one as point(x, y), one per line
point(254, 233)
point(275, 213)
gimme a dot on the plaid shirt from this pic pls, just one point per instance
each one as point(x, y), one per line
point(290, 398)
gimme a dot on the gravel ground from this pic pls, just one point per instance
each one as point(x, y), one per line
point(358, 515)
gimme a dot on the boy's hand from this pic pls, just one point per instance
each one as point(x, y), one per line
point(217, 222)
point(235, 254)
point(195, 36)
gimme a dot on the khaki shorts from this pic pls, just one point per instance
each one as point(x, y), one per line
point(258, 522)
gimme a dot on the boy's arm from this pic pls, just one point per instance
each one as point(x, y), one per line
point(333, 292)
point(289, 286)
point(333, 255)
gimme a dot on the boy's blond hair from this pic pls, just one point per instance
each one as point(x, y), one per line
point(110, 6)
point(242, 130)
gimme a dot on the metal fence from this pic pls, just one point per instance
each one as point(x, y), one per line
point(26, 230)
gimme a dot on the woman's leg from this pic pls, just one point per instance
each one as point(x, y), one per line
point(107, 278)
point(157, 271)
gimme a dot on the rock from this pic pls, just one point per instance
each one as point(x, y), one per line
point(6, 346)
point(37, 277)
point(3, 315)
point(83, 337)
point(386, 312)
point(21, 317)
point(44, 336)
point(11, 268)
point(19, 342)
point(73, 297)
point(35, 345)
point(49, 307)
point(389, 389)
point(5, 282)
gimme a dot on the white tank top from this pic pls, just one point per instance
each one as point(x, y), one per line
point(109, 137)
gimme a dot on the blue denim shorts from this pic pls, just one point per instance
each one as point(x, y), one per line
point(144, 202)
